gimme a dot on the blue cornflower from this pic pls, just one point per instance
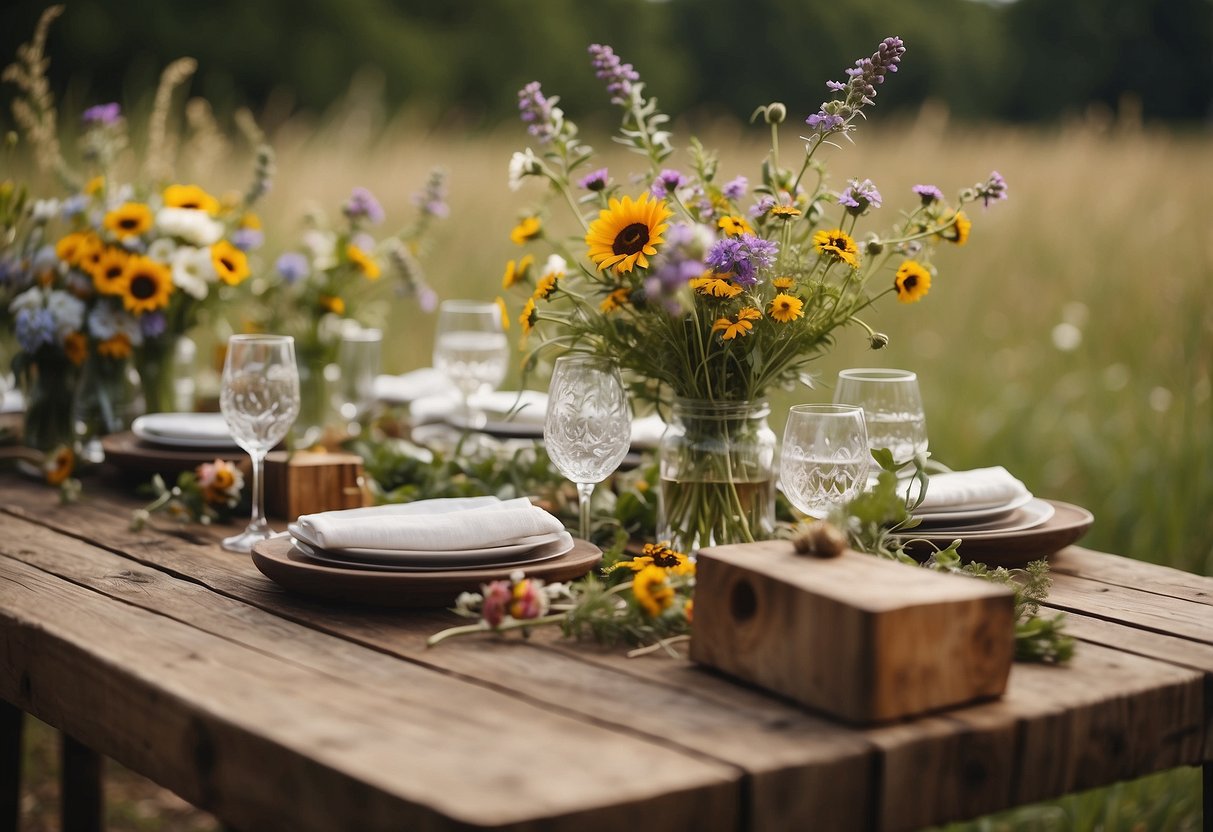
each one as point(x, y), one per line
point(859, 197)
point(363, 205)
point(248, 239)
point(292, 266)
point(73, 206)
point(35, 328)
point(153, 324)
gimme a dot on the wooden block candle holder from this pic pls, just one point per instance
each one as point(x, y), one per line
point(861, 638)
point(306, 482)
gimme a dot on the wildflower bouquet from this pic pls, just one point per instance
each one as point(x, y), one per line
point(712, 293)
point(209, 493)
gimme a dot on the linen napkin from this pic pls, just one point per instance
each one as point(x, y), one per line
point(428, 525)
point(975, 489)
point(185, 425)
point(412, 385)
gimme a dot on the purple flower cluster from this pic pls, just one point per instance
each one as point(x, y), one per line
point(536, 111)
point(102, 115)
point(859, 197)
point(595, 180)
point(860, 88)
point(928, 194)
point(619, 76)
point(736, 189)
point(363, 205)
point(35, 328)
point(432, 198)
point(248, 239)
point(743, 256)
point(153, 324)
point(763, 205)
point(292, 266)
point(666, 183)
point(993, 189)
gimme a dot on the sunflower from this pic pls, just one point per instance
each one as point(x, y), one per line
point(91, 257)
point(614, 301)
point(716, 286)
point(652, 590)
point(660, 555)
point(75, 347)
point(362, 261)
point(528, 317)
point(146, 285)
point(912, 282)
point(505, 314)
point(230, 263)
point(110, 271)
point(734, 226)
point(118, 346)
point(785, 308)
point(72, 248)
point(731, 328)
point(785, 212)
point(332, 303)
point(517, 270)
point(129, 220)
point(190, 196)
point(527, 230)
point(627, 233)
point(783, 284)
point(958, 231)
point(546, 286)
point(839, 244)
point(59, 465)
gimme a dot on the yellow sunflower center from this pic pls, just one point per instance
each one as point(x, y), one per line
point(631, 239)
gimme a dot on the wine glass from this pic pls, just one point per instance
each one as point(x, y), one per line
point(358, 357)
point(825, 456)
point(892, 408)
point(471, 350)
point(260, 400)
point(588, 425)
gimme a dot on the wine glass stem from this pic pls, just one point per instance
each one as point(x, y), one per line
point(257, 522)
point(584, 490)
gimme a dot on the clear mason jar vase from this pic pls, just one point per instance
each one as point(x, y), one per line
point(717, 474)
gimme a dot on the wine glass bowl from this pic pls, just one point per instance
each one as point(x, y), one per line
point(892, 408)
point(470, 348)
point(825, 457)
point(588, 424)
point(259, 399)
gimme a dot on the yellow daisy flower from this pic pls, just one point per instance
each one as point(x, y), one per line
point(912, 282)
point(516, 271)
point(527, 230)
point(627, 233)
point(251, 220)
point(363, 262)
point(332, 303)
point(59, 465)
point(528, 317)
point(785, 308)
point(661, 555)
point(614, 301)
point(72, 248)
point(505, 314)
point(230, 263)
point(783, 284)
point(784, 212)
point(546, 286)
point(958, 231)
point(118, 346)
point(715, 285)
point(94, 186)
point(838, 244)
point(146, 285)
point(128, 220)
point(734, 226)
point(652, 590)
point(110, 271)
point(75, 347)
point(749, 313)
point(733, 328)
point(190, 196)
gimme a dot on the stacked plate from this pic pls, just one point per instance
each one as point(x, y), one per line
point(184, 430)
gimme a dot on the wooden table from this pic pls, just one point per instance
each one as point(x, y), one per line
point(184, 663)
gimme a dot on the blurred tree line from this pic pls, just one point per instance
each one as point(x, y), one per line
point(1026, 60)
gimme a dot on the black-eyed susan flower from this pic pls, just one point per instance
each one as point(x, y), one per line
point(146, 285)
point(958, 231)
point(734, 225)
point(546, 287)
point(517, 271)
point(660, 555)
point(110, 271)
point(231, 264)
point(785, 308)
point(783, 284)
point(749, 313)
point(715, 286)
point(627, 233)
point(128, 220)
point(731, 328)
point(528, 229)
point(192, 197)
point(505, 314)
point(614, 301)
point(838, 244)
point(912, 281)
point(75, 347)
point(332, 303)
point(785, 212)
point(118, 346)
point(72, 248)
point(363, 262)
point(652, 590)
point(59, 465)
point(529, 316)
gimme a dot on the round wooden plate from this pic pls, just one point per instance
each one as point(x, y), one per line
point(1066, 526)
point(281, 562)
point(126, 452)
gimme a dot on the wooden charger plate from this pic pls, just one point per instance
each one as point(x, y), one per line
point(130, 454)
point(1010, 549)
point(281, 562)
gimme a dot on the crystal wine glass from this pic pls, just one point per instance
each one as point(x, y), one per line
point(470, 348)
point(825, 456)
point(892, 408)
point(259, 400)
point(588, 426)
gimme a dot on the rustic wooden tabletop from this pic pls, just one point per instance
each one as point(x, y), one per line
point(183, 662)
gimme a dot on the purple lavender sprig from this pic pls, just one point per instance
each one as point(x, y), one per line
point(620, 77)
point(993, 189)
point(431, 200)
point(539, 112)
point(860, 88)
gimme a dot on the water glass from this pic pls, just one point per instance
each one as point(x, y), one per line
point(259, 398)
point(825, 457)
point(470, 348)
point(588, 426)
point(892, 408)
point(358, 357)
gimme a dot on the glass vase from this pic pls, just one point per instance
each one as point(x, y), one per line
point(103, 402)
point(155, 362)
point(50, 390)
point(717, 472)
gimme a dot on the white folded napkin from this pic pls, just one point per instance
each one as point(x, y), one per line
point(975, 489)
point(428, 525)
point(185, 425)
point(647, 430)
point(412, 385)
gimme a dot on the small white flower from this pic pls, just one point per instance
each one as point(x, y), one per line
point(193, 270)
point(45, 210)
point(555, 265)
point(323, 248)
point(162, 250)
point(106, 321)
point(189, 224)
point(68, 312)
point(522, 164)
point(32, 298)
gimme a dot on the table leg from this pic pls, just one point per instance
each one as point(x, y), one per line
point(1207, 795)
point(12, 720)
point(80, 798)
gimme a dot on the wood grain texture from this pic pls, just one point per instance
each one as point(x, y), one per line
point(857, 637)
point(307, 483)
point(1134, 574)
point(1139, 608)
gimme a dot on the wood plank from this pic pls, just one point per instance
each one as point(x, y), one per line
point(1137, 608)
point(169, 699)
point(802, 762)
point(81, 796)
point(1135, 574)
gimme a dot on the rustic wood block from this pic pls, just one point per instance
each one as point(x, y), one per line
point(306, 482)
point(861, 638)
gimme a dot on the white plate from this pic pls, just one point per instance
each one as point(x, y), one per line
point(184, 430)
point(487, 555)
point(541, 553)
point(1034, 513)
point(974, 515)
